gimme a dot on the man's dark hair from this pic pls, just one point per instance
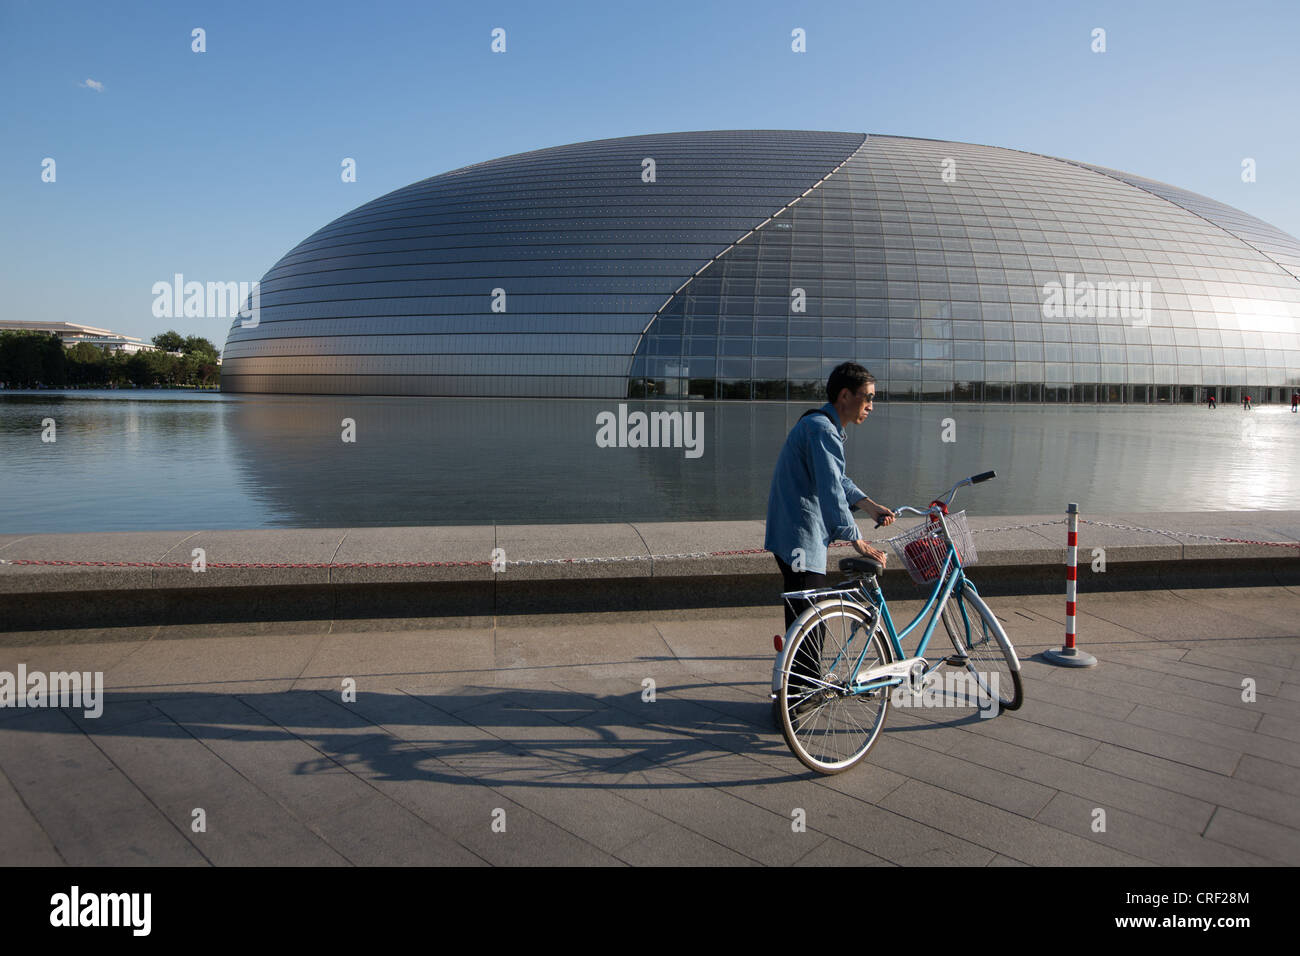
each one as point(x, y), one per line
point(847, 375)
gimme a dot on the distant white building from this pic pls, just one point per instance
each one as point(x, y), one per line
point(73, 333)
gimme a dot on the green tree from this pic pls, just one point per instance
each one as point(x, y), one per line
point(169, 341)
point(165, 368)
point(87, 364)
point(54, 362)
point(17, 369)
point(86, 354)
point(151, 368)
point(28, 359)
point(116, 371)
point(195, 345)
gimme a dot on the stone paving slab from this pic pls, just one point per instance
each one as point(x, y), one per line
point(1000, 830)
point(544, 542)
point(22, 838)
point(1254, 604)
point(1143, 837)
point(1220, 680)
point(1269, 773)
point(1261, 526)
point(1071, 778)
point(348, 654)
point(832, 852)
point(1278, 844)
point(551, 732)
point(286, 545)
point(1263, 801)
point(667, 538)
point(472, 545)
point(987, 785)
point(88, 808)
point(675, 845)
point(1129, 678)
point(124, 546)
point(1118, 697)
point(241, 824)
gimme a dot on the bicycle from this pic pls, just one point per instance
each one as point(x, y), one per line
point(842, 658)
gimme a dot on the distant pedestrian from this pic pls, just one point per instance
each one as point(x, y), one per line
point(1210, 400)
point(1295, 401)
point(1245, 403)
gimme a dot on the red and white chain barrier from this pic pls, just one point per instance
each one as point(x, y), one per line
point(603, 560)
point(1190, 534)
point(378, 564)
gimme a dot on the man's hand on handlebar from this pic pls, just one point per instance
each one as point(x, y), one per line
point(867, 551)
point(879, 513)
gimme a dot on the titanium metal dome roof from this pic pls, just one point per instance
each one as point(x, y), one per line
point(746, 264)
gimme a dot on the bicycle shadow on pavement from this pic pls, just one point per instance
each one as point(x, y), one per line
point(685, 736)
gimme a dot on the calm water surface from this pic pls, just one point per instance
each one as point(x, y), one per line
point(154, 460)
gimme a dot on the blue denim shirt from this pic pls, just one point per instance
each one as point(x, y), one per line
point(808, 506)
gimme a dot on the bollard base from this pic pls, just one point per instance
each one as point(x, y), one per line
point(1069, 657)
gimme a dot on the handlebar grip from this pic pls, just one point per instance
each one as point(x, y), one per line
point(898, 512)
point(984, 477)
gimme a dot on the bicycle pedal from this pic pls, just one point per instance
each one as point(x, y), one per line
point(957, 660)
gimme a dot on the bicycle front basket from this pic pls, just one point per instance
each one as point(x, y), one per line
point(923, 549)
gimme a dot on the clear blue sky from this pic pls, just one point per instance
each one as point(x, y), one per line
point(216, 164)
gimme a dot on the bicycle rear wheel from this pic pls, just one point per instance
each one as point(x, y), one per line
point(979, 637)
point(826, 726)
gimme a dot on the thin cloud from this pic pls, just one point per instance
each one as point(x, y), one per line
point(95, 85)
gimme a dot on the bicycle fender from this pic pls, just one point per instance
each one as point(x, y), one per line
point(782, 661)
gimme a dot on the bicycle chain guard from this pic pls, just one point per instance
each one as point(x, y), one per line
point(916, 676)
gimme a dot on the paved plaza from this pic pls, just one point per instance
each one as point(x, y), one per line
point(536, 741)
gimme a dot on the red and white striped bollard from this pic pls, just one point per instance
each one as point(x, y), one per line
point(1069, 655)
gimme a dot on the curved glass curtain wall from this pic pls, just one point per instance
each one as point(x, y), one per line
point(396, 297)
point(938, 287)
point(935, 285)
point(1268, 239)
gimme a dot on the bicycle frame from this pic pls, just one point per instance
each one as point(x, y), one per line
point(842, 661)
point(945, 586)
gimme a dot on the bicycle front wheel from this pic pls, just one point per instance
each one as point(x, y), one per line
point(980, 639)
point(827, 726)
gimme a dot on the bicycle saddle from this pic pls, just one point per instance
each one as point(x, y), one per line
point(861, 566)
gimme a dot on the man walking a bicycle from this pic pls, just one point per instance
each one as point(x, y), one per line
point(837, 667)
point(812, 499)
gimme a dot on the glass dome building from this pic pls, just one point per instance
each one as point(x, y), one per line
point(746, 264)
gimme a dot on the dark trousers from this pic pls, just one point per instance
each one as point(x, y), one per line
point(797, 581)
point(807, 662)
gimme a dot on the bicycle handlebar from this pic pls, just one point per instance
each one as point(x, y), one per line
point(946, 499)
